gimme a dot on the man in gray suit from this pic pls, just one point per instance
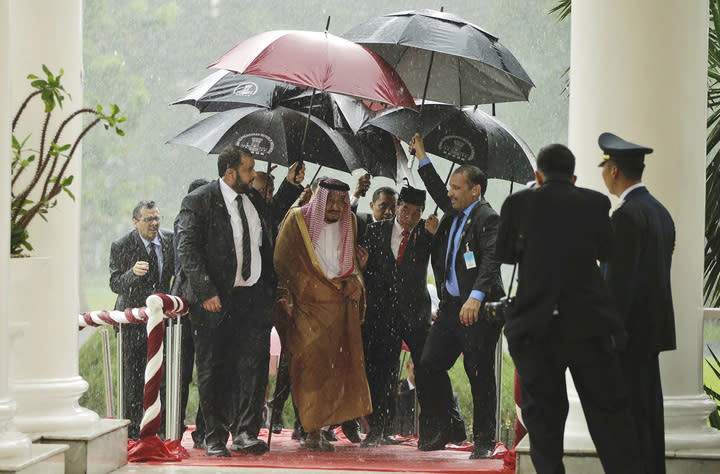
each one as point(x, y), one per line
point(142, 262)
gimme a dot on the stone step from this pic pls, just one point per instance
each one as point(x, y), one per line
point(43, 459)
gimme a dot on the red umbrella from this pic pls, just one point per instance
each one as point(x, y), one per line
point(321, 61)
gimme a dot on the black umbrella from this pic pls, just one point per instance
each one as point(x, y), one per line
point(464, 135)
point(470, 65)
point(274, 135)
point(224, 90)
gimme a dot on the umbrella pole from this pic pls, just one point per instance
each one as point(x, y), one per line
point(267, 180)
point(446, 182)
point(427, 78)
point(315, 175)
point(307, 126)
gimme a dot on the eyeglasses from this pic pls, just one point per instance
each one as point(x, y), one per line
point(151, 219)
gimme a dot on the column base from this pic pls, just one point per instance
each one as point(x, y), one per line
point(42, 459)
point(12, 442)
point(51, 405)
point(686, 428)
point(100, 450)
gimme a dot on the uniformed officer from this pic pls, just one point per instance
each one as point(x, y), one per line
point(639, 278)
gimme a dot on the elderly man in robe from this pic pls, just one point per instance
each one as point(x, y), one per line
point(321, 303)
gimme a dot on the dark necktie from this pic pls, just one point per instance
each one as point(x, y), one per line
point(153, 274)
point(403, 245)
point(451, 243)
point(246, 255)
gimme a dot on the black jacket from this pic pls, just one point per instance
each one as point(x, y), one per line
point(133, 290)
point(478, 235)
point(394, 289)
point(639, 272)
point(566, 231)
point(207, 251)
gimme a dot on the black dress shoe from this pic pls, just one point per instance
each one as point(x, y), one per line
point(456, 432)
point(372, 440)
point(435, 443)
point(249, 444)
point(329, 435)
point(389, 441)
point(217, 451)
point(277, 423)
point(297, 433)
point(351, 429)
point(481, 451)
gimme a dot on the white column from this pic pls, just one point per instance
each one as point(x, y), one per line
point(639, 69)
point(12, 443)
point(46, 377)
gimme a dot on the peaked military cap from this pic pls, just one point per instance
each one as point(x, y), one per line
point(616, 149)
point(412, 195)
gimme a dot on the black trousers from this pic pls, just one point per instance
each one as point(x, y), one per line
point(382, 341)
point(596, 372)
point(642, 377)
point(446, 341)
point(232, 365)
point(187, 362)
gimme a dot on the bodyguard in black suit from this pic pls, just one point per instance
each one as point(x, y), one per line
point(226, 249)
point(467, 274)
point(382, 206)
point(398, 305)
point(639, 278)
point(563, 315)
point(141, 263)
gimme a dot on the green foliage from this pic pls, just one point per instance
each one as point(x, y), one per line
point(714, 419)
point(712, 172)
point(562, 9)
point(46, 166)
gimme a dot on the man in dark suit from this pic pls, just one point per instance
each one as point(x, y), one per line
point(226, 248)
point(141, 263)
point(382, 206)
point(639, 278)
point(398, 304)
point(467, 274)
point(563, 316)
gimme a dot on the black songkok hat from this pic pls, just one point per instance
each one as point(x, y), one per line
point(619, 150)
point(334, 185)
point(412, 195)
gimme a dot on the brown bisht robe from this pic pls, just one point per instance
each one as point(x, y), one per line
point(321, 337)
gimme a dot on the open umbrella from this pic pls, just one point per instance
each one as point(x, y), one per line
point(470, 65)
point(224, 90)
point(273, 135)
point(320, 61)
point(464, 135)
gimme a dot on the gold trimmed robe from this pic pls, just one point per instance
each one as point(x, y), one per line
point(321, 336)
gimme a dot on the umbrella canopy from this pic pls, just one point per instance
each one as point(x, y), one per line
point(273, 135)
point(337, 110)
point(318, 60)
point(469, 65)
point(224, 90)
point(464, 135)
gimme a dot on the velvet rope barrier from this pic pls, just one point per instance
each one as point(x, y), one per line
point(158, 306)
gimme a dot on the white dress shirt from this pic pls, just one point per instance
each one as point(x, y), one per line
point(396, 237)
point(328, 249)
point(255, 229)
point(628, 190)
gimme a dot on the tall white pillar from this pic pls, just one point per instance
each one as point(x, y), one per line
point(46, 377)
point(639, 69)
point(12, 442)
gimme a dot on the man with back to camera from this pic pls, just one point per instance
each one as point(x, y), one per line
point(225, 244)
point(141, 264)
point(639, 279)
point(467, 274)
point(563, 315)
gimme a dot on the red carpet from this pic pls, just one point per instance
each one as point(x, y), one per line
point(287, 453)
